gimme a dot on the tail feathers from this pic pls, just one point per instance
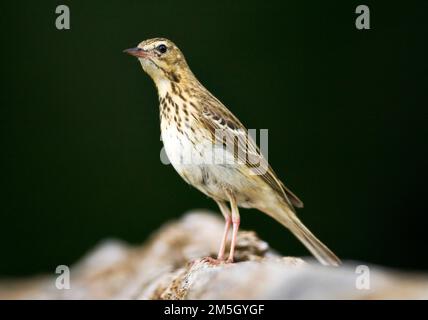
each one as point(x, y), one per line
point(320, 251)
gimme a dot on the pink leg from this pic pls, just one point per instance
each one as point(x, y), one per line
point(236, 220)
point(226, 213)
point(234, 235)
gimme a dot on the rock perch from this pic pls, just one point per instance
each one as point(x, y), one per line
point(171, 266)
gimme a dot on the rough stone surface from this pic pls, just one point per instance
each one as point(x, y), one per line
point(174, 264)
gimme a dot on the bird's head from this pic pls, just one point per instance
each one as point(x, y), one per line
point(161, 59)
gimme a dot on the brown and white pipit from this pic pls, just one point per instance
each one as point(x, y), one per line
point(192, 119)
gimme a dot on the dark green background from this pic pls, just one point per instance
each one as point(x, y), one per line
point(345, 110)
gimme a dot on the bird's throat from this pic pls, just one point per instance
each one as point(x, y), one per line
point(163, 86)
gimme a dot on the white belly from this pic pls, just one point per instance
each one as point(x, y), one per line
point(204, 165)
point(181, 151)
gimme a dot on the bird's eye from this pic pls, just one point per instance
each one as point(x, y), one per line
point(161, 48)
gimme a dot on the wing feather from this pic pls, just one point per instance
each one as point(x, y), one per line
point(214, 118)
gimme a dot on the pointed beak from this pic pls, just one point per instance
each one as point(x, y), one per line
point(137, 52)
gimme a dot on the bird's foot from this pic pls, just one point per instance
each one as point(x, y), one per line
point(212, 261)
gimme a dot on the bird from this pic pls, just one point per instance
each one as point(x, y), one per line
point(197, 128)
